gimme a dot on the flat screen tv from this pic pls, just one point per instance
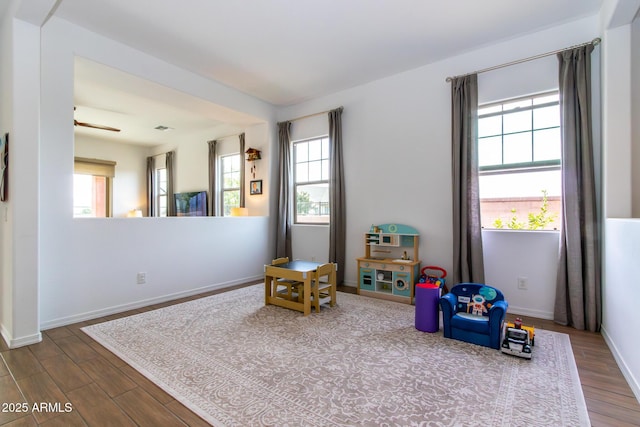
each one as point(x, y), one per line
point(191, 204)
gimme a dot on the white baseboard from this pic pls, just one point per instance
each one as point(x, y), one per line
point(81, 317)
point(539, 314)
point(633, 382)
point(21, 341)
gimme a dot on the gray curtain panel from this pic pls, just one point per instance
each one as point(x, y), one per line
point(211, 202)
point(578, 291)
point(285, 185)
point(171, 205)
point(242, 183)
point(337, 205)
point(468, 260)
point(151, 187)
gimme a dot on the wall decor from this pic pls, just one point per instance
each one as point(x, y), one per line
point(253, 154)
point(256, 187)
point(4, 166)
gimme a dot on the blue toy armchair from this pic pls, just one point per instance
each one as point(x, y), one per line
point(474, 313)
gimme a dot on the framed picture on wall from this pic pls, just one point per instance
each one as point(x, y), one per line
point(4, 164)
point(255, 187)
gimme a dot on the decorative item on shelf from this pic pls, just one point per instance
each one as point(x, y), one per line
point(239, 212)
point(253, 154)
point(255, 187)
point(134, 213)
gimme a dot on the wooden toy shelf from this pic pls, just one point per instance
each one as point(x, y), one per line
point(390, 266)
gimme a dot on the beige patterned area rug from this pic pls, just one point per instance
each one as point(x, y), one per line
point(236, 362)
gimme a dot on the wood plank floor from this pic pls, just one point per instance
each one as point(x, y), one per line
point(102, 390)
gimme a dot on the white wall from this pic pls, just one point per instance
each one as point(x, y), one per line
point(533, 255)
point(78, 277)
point(130, 182)
point(621, 92)
point(621, 320)
point(6, 240)
point(396, 134)
point(635, 115)
point(21, 41)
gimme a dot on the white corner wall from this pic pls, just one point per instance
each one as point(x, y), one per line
point(396, 134)
point(620, 314)
point(88, 266)
point(621, 142)
point(20, 255)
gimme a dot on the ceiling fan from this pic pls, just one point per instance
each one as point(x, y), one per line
point(94, 126)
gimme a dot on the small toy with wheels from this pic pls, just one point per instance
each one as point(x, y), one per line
point(517, 340)
point(438, 280)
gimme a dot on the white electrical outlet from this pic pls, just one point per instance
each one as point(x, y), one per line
point(141, 278)
point(522, 283)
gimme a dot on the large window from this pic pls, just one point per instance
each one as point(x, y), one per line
point(311, 178)
point(230, 170)
point(519, 147)
point(92, 188)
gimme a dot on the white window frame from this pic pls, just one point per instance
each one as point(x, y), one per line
point(160, 193)
point(521, 167)
point(297, 183)
point(222, 186)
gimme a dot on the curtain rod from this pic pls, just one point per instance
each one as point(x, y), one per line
point(226, 136)
point(595, 42)
point(309, 115)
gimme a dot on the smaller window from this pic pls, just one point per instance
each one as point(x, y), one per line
point(92, 184)
point(311, 178)
point(161, 192)
point(230, 170)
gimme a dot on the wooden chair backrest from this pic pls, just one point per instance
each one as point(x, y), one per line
point(278, 261)
point(324, 270)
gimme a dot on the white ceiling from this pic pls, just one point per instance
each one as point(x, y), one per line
point(288, 51)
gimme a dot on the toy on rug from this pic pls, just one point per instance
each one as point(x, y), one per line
point(517, 340)
point(438, 280)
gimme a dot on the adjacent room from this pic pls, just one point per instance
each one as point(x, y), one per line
point(229, 213)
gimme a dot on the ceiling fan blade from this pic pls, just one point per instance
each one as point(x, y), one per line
point(91, 125)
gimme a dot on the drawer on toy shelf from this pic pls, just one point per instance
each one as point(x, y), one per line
point(389, 266)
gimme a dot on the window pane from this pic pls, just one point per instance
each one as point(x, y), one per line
point(162, 181)
point(235, 162)
point(325, 148)
point(302, 172)
point(517, 200)
point(315, 150)
point(489, 126)
point(546, 117)
point(546, 145)
point(231, 199)
point(315, 171)
point(312, 203)
point(517, 148)
point(325, 170)
point(302, 152)
point(517, 122)
point(163, 205)
point(490, 151)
